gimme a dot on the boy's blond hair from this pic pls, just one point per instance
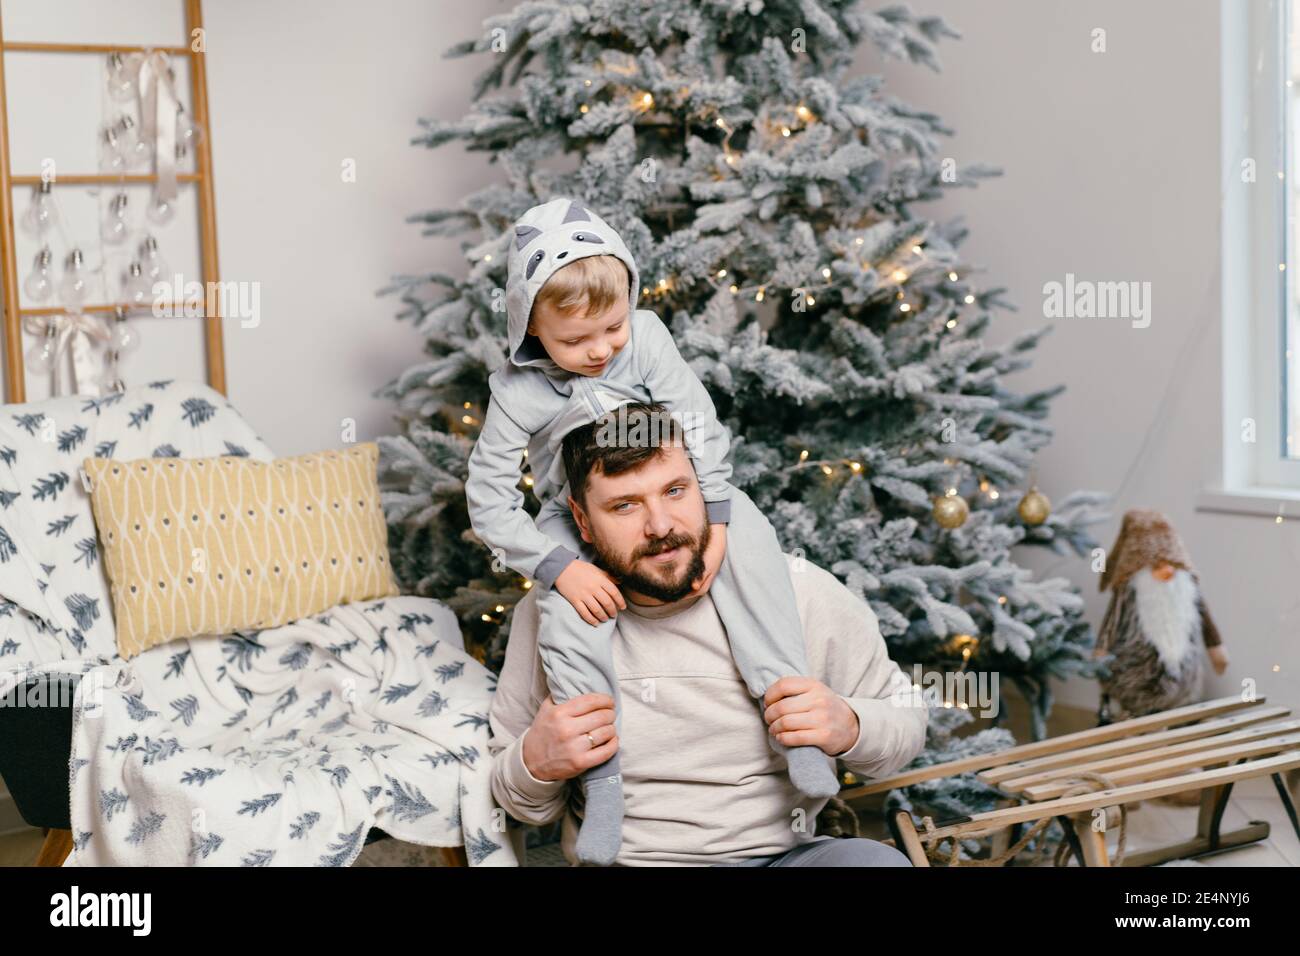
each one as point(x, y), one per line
point(590, 286)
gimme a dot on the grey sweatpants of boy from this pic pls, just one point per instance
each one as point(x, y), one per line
point(752, 592)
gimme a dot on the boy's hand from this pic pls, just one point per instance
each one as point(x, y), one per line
point(592, 592)
point(713, 556)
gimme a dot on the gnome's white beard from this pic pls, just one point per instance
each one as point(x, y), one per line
point(1168, 615)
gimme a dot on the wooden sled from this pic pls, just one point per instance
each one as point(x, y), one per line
point(1204, 747)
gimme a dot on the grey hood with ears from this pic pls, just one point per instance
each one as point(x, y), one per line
point(548, 237)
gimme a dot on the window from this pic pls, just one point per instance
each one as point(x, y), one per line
point(1289, 14)
point(1260, 123)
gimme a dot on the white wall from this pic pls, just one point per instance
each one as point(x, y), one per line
point(301, 87)
point(1112, 173)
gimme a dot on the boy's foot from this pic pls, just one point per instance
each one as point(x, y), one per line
point(810, 770)
point(601, 833)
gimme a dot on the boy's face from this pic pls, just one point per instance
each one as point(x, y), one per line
point(582, 344)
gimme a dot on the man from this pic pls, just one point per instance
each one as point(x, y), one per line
point(701, 785)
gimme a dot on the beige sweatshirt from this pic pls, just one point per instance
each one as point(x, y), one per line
point(701, 783)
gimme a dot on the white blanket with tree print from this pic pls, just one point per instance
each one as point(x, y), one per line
point(276, 747)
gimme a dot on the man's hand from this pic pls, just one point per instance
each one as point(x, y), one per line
point(592, 592)
point(801, 710)
point(713, 556)
point(556, 745)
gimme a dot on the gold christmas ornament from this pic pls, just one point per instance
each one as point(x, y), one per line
point(1034, 507)
point(951, 511)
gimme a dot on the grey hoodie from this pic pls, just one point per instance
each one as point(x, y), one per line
point(535, 403)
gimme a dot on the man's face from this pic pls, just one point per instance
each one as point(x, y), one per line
point(648, 526)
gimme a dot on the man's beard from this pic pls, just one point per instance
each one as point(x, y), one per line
point(660, 588)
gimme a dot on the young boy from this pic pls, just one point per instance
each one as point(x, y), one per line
point(579, 347)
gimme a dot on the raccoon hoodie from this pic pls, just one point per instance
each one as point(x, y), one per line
point(535, 403)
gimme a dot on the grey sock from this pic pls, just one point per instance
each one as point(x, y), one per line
point(601, 833)
point(810, 770)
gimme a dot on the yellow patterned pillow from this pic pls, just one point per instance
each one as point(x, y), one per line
point(213, 545)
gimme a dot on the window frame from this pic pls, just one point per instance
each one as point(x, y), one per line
point(1257, 297)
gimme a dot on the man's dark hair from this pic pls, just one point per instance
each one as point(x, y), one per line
point(618, 441)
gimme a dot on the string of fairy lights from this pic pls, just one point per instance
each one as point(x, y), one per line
point(950, 510)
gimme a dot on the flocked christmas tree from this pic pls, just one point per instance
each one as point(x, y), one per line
point(766, 195)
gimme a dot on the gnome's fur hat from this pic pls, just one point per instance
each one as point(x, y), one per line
point(546, 238)
point(1146, 538)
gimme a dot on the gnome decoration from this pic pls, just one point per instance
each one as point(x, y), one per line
point(1157, 625)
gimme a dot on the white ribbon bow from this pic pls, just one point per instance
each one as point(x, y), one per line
point(158, 106)
point(75, 331)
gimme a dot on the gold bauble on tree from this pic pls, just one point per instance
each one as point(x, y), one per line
point(950, 511)
point(1034, 508)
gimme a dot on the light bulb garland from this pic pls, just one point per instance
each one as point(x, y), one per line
point(828, 466)
point(963, 644)
point(758, 290)
point(644, 100)
point(135, 85)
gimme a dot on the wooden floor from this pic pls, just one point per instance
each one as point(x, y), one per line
point(20, 849)
point(1156, 824)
